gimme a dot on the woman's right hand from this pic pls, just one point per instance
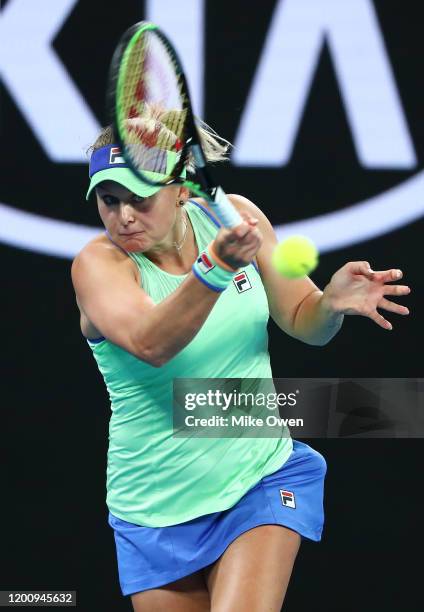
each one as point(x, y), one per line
point(238, 246)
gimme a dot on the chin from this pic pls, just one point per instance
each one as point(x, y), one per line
point(133, 245)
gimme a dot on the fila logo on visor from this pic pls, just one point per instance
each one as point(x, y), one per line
point(116, 156)
point(242, 282)
point(287, 498)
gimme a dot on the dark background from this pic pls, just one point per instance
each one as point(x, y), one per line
point(54, 428)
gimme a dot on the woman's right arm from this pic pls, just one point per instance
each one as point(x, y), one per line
point(108, 292)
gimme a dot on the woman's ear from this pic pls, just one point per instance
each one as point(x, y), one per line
point(183, 194)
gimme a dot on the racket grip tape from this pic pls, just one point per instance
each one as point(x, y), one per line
point(209, 269)
point(224, 210)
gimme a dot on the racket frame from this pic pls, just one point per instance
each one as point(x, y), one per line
point(208, 189)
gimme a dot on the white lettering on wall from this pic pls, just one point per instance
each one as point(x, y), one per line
point(275, 105)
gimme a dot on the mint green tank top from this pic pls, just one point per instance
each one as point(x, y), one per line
point(153, 478)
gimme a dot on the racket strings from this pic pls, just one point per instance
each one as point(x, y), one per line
point(132, 90)
point(152, 120)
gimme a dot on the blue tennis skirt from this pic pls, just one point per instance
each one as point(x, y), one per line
point(150, 557)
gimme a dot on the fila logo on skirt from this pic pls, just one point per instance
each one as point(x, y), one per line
point(287, 498)
point(242, 282)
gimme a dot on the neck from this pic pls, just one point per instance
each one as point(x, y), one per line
point(178, 246)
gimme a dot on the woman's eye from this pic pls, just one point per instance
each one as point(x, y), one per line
point(138, 199)
point(110, 200)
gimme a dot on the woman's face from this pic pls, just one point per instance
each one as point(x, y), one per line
point(136, 223)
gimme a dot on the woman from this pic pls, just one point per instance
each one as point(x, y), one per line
point(201, 523)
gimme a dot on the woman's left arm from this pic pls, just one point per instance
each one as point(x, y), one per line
point(313, 316)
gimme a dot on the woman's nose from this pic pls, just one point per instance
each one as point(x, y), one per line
point(127, 213)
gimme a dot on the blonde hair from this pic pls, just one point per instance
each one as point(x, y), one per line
point(164, 124)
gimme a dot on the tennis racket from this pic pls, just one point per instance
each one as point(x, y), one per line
point(145, 75)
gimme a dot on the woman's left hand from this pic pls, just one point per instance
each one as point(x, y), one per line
point(356, 290)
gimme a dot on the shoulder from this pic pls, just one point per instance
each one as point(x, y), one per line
point(100, 250)
point(101, 254)
point(242, 204)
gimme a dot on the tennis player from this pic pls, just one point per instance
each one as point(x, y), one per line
point(201, 523)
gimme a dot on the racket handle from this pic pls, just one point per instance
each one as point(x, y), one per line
point(223, 208)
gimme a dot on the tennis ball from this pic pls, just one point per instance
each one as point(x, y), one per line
point(295, 257)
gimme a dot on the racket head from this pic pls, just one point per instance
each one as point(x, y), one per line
point(149, 106)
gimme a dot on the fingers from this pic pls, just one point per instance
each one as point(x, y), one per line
point(380, 320)
point(248, 217)
point(360, 267)
point(381, 276)
point(396, 290)
point(392, 307)
point(244, 232)
point(241, 231)
point(387, 276)
point(239, 245)
point(252, 221)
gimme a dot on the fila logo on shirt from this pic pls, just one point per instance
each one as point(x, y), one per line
point(287, 498)
point(242, 282)
point(116, 156)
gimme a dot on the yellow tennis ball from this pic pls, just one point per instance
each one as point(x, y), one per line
point(295, 257)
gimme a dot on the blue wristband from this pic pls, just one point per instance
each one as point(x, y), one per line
point(210, 273)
